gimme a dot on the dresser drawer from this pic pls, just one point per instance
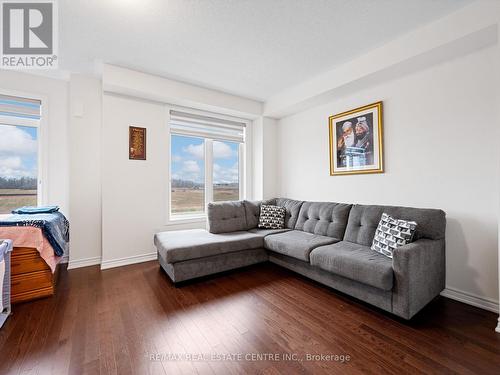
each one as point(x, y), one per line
point(27, 263)
point(31, 282)
point(31, 277)
point(24, 251)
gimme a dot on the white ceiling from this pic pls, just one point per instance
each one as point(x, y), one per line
point(254, 48)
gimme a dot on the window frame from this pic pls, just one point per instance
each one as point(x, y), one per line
point(42, 139)
point(243, 157)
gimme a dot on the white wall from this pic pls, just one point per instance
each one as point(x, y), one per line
point(133, 191)
point(441, 150)
point(270, 158)
point(55, 152)
point(264, 176)
point(85, 97)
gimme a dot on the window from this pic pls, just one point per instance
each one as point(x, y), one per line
point(187, 175)
point(226, 171)
point(205, 162)
point(19, 126)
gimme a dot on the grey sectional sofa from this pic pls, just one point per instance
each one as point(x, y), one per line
point(327, 242)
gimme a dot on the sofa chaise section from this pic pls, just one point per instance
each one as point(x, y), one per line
point(232, 240)
point(189, 254)
point(178, 246)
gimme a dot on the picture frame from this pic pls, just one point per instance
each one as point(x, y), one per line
point(137, 143)
point(356, 141)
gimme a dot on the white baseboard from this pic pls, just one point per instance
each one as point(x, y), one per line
point(128, 260)
point(471, 299)
point(78, 263)
point(498, 326)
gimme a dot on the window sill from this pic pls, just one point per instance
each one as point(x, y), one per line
point(186, 219)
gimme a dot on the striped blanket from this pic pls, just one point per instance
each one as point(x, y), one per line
point(54, 226)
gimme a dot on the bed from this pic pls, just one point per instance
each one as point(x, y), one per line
point(40, 241)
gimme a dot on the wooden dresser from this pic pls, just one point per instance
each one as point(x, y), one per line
point(31, 277)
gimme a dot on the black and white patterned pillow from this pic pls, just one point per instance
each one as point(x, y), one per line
point(392, 233)
point(272, 217)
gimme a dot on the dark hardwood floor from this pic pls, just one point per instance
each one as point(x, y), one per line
point(132, 320)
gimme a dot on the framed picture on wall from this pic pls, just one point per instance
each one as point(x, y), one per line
point(136, 143)
point(356, 141)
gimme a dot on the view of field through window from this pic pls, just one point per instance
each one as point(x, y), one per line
point(226, 171)
point(188, 173)
point(18, 167)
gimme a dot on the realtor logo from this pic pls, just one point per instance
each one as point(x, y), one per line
point(29, 35)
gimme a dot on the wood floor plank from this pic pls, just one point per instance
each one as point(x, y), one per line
point(345, 319)
point(133, 320)
point(434, 352)
point(299, 323)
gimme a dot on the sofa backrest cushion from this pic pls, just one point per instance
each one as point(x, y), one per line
point(363, 221)
point(252, 211)
point(292, 208)
point(226, 217)
point(324, 218)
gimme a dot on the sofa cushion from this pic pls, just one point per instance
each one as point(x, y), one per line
point(268, 232)
point(392, 233)
point(177, 246)
point(272, 217)
point(224, 217)
point(356, 262)
point(324, 218)
point(296, 243)
point(363, 221)
point(292, 208)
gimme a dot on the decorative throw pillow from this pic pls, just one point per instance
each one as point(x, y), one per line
point(272, 217)
point(392, 233)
